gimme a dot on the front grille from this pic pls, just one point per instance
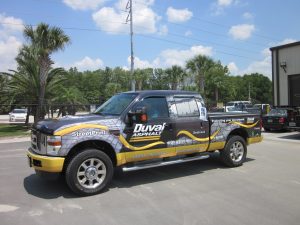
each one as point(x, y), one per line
point(38, 142)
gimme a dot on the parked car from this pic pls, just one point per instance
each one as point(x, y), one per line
point(18, 115)
point(276, 119)
point(229, 106)
point(263, 108)
point(294, 119)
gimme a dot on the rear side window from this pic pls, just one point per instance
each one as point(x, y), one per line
point(186, 107)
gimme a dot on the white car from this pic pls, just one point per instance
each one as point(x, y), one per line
point(236, 106)
point(18, 115)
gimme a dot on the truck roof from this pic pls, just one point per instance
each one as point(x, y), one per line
point(164, 92)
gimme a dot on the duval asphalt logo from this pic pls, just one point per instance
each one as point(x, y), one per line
point(141, 130)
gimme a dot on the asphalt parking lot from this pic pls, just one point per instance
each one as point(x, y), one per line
point(265, 190)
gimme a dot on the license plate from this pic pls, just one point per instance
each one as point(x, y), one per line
point(270, 121)
point(292, 124)
point(29, 161)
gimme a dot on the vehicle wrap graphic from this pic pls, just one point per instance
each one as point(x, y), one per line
point(198, 139)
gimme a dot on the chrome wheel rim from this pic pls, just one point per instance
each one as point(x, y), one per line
point(91, 173)
point(237, 151)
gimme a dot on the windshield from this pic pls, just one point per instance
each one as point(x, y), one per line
point(19, 111)
point(281, 112)
point(116, 104)
point(230, 104)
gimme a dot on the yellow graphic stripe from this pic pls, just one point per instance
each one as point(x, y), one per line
point(78, 127)
point(216, 146)
point(243, 125)
point(127, 145)
point(126, 157)
point(198, 139)
point(252, 140)
point(147, 139)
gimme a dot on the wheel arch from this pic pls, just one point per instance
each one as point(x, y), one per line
point(239, 132)
point(95, 144)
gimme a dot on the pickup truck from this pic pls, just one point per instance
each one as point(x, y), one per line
point(138, 130)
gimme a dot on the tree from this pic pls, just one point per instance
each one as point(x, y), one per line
point(175, 76)
point(200, 65)
point(142, 77)
point(44, 40)
point(24, 86)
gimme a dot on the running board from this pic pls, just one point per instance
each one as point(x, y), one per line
point(151, 165)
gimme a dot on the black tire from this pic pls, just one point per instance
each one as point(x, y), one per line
point(75, 166)
point(230, 151)
point(267, 129)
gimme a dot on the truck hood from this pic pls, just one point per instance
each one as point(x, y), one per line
point(49, 126)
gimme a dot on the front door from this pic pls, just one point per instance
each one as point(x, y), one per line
point(151, 139)
point(192, 129)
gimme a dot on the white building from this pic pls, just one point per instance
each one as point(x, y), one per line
point(286, 74)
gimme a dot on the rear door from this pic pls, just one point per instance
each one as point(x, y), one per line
point(192, 127)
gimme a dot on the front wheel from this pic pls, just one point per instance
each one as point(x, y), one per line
point(235, 151)
point(89, 172)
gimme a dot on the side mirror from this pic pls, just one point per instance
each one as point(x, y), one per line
point(139, 115)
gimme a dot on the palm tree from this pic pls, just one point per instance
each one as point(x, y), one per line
point(142, 76)
point(175, 75)
point(24, 83)
point(200, 65)
point(44, 40)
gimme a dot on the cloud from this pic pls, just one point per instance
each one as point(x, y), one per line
point(248, 15)
point(233, 69)
point(88, 63)
point(188, 33)
point(9, 49)
point(223, 3)
point(178, 15)
point(84, 4)
point(219, 6)
point(140, 64)
point(263, 66)
point(10, 41)
point(163, 30)
point(112, 19)
point(241, 31)
point(170, 57)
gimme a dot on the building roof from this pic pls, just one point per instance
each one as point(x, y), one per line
point(285, 46)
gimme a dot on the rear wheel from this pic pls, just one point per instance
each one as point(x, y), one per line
point(235, 151)
point(89, 172)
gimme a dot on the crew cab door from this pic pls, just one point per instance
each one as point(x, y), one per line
point(192, 126)
point(148, 140)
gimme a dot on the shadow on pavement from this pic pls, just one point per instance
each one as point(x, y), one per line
point(292, 137)
point(45, 189)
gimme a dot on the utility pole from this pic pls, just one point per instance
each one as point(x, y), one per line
point(130, 18)
point(249, 97)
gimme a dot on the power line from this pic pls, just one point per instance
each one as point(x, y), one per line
point(151, 37)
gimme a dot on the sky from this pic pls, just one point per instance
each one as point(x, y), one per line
point(239, 33)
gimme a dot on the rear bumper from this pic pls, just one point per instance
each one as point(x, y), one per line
point(45, 163)
point(275, 126)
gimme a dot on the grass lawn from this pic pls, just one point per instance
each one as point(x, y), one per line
point(7, 130)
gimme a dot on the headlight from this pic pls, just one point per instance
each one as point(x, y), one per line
point(53, 145)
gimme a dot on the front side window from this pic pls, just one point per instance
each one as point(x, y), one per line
point(156, 107)
point(186, 107)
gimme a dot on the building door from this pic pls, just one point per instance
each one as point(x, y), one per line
point(294, 86)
